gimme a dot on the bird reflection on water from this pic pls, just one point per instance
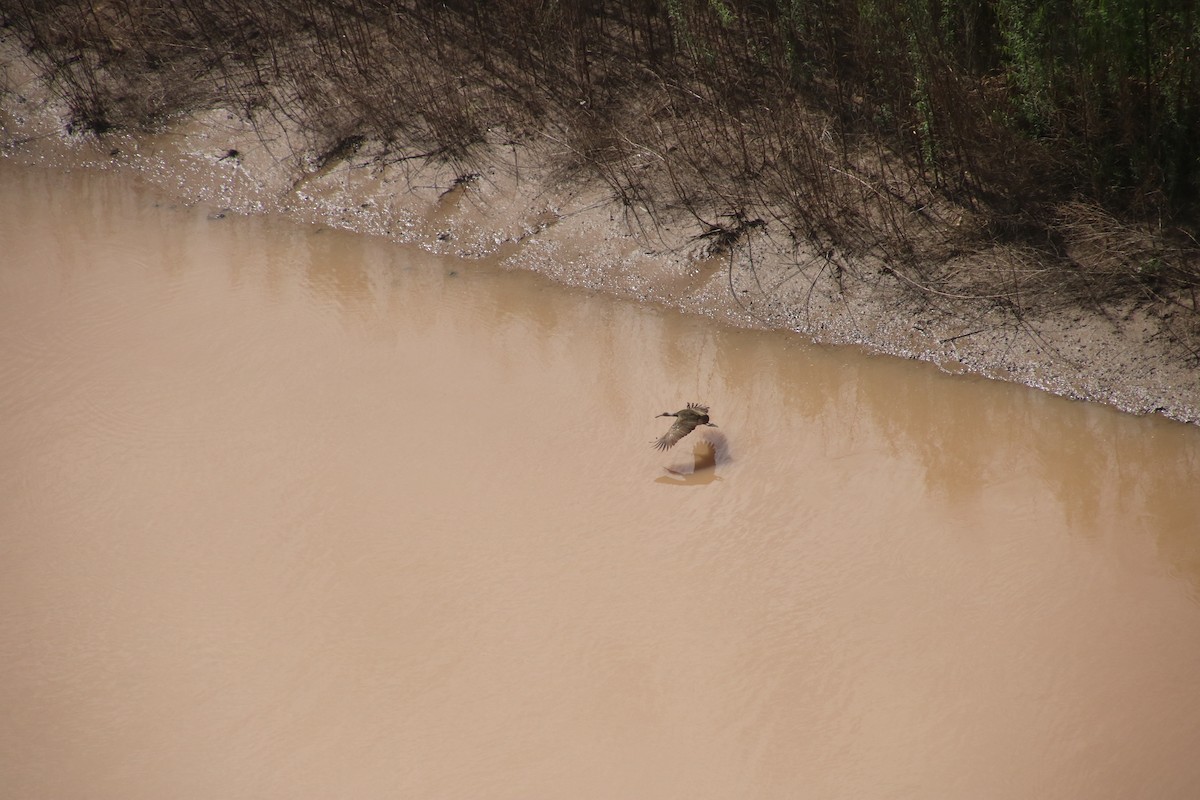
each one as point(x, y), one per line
point(709, 452)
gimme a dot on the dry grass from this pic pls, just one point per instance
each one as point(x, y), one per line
point(726, 114)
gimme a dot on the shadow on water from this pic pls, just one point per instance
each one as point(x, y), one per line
point(974, 444)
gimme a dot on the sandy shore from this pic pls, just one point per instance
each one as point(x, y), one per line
point(523, 214)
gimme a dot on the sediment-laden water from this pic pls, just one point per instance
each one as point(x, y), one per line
point(286, 512)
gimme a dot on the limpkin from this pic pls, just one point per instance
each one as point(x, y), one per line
point(686, 421)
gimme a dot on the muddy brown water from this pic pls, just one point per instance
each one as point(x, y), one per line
point(292, 513)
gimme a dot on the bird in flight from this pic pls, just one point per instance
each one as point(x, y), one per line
point(686, 421)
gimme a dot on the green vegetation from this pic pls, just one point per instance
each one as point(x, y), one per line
point(922, 134)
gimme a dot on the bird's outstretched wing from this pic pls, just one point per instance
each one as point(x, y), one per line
point(698, 407)
point(676, 432)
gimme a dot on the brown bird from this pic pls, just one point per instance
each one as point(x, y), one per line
point(686, 421)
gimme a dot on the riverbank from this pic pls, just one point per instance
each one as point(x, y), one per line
point(519, 207)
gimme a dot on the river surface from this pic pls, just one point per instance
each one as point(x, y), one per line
point(287, 512)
